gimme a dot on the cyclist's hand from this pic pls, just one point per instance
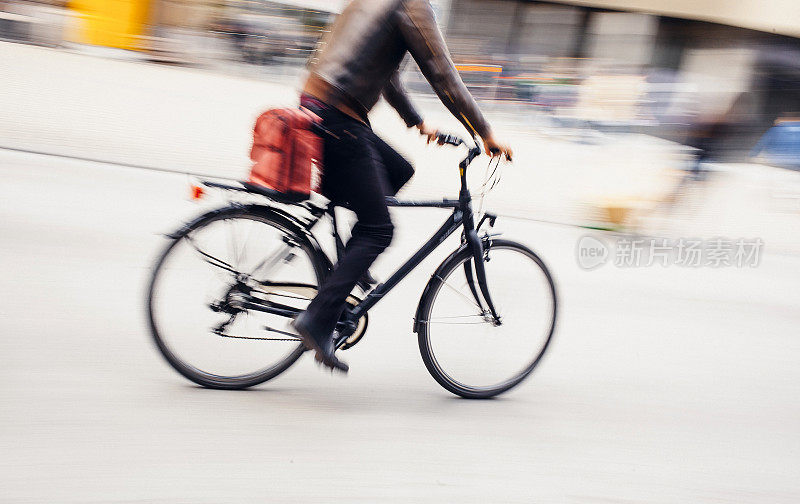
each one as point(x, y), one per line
point(493, 148)
point(428, 131)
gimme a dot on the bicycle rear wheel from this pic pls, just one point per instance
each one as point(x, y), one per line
point(194, 318)
point(462, 347)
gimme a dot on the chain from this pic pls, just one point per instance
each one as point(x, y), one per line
point(255, 338)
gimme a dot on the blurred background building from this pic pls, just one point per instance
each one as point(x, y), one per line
point(681, 70)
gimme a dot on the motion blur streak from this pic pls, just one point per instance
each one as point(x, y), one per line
point(649, 122)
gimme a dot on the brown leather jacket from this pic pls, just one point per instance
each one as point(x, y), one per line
point(358, 60)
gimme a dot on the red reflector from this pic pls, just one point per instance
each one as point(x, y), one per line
point(197, 192)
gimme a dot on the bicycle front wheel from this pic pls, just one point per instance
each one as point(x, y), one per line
point(463, 349)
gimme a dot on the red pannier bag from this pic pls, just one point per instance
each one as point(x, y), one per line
point(287, 154)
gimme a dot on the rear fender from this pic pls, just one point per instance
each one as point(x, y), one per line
point(299, 227)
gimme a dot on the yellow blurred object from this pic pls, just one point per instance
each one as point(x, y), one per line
point(111, 23)
point(479, 68)
point(617, 212)
point(631, 180)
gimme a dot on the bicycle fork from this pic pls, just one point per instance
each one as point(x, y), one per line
point(476, 246)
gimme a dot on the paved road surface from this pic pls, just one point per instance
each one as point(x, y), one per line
point(664, 385)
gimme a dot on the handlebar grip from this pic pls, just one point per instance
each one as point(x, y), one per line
point(442, 139)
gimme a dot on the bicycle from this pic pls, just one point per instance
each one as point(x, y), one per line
point(262, 292)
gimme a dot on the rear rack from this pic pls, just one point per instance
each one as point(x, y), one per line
point(275, 196)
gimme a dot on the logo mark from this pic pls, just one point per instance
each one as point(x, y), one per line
point(591, 253)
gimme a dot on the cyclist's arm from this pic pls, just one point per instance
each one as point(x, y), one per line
point(396, 95)
point(427, 47)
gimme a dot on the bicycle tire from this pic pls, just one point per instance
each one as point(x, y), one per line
point(457, 259)
point(259, 213)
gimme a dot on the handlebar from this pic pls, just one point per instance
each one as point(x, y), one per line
point(442, 139)
point(474, 151)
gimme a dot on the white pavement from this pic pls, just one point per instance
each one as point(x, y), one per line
point(664, 385)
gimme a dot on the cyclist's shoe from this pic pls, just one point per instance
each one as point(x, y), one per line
point(322, 344)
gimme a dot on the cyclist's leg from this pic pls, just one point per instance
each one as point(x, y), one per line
point(354, 174)
point(399, 171)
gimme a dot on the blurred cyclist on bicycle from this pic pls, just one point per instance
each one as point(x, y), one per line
point(356, 63)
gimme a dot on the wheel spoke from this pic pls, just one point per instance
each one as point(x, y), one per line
point(456, 323)
point(454, 330)
point(189, 292)
point(468, 299)
point(243, 251)
point(271, 261)
point(210, 259)
point(453, 319)
point(232, 242)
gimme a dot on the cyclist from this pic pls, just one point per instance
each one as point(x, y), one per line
point(356, 63)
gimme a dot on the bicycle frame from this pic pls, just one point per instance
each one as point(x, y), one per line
point(458, 218)
point(462, 216)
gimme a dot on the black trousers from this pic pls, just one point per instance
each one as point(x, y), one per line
point(359, 171)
